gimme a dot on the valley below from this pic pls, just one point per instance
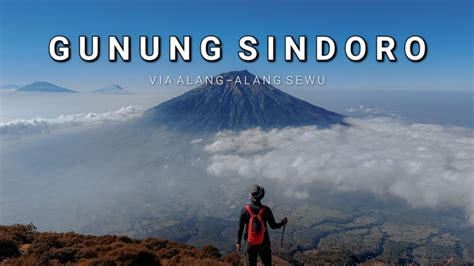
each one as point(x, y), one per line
point(319, 235)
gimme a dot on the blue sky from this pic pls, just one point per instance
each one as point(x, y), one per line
point(27, 27)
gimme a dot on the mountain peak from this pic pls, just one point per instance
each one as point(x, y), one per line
point(112, 89)
point(231, 76)
point(237, 104)
point(43, 86)
point(241, 73)
point(116, 86)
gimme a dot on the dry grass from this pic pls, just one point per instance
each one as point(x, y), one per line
point(23, 245)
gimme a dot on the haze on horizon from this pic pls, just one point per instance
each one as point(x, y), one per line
point(432, 107)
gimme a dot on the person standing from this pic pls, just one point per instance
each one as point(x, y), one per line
point(255, 217)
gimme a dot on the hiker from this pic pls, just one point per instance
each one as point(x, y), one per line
point(255, 216)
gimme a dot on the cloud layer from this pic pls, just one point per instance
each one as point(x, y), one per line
point(40, 125)
point(426, 165)
point(370, 112)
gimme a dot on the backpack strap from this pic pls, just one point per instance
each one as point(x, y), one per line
point(249, 210)
point(262, 210)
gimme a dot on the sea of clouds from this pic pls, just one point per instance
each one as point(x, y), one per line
point(425, 165)
point(42, 125)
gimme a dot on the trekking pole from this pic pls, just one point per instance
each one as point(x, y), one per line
point(282, 233)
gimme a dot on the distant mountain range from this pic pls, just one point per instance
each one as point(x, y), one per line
point(236, 103)
point(236, 106)
point(42, 86)
point(112, 89)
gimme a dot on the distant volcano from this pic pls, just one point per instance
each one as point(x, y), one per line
point(112, 89)
point(237, 106)
point(43, 86)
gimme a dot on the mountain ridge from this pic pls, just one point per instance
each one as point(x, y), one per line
point(23, 245)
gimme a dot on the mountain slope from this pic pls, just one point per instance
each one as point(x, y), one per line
point(22, 245)
point(235, 105)
point(112, 89)
point(42, 86)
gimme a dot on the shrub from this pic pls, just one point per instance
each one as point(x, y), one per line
point(8, 248)
point(209, 251)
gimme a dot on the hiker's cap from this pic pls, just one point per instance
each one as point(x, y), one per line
point(257, 192)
